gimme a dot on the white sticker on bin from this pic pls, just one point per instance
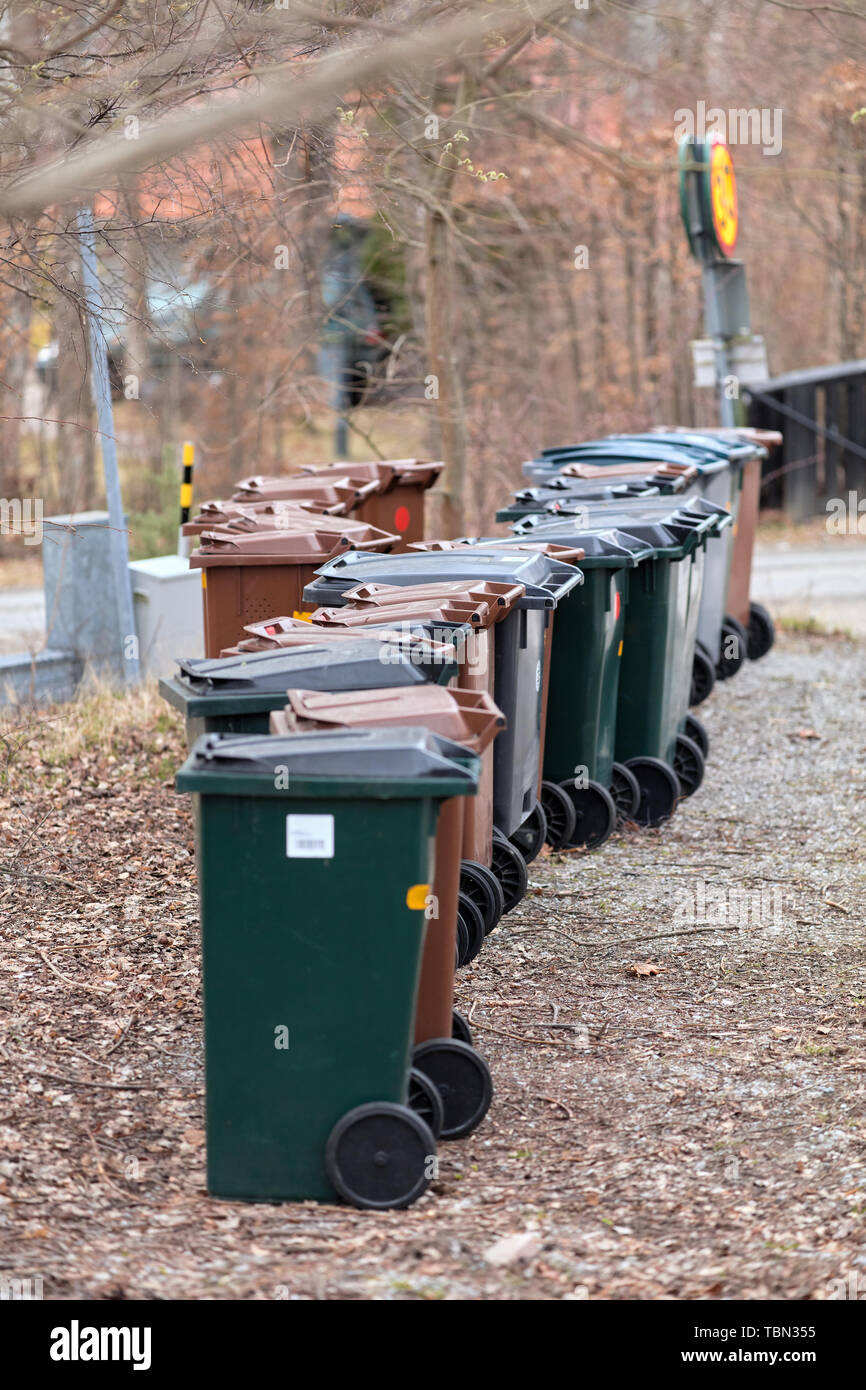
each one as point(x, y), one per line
point(310, 837)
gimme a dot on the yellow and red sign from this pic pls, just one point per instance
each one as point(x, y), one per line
point(723, 198)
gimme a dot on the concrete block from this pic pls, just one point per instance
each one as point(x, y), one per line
point(167, 602)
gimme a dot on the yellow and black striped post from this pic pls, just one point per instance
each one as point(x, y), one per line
point(188, 461)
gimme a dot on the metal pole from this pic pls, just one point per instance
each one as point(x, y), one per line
point(101, 389)
point(710, 274)
point(188, 463)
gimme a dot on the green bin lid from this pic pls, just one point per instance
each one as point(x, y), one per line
point(397, 761)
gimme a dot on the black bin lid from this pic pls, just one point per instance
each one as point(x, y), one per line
point(345, 665)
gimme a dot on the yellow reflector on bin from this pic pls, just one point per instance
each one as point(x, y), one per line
point(416, 896)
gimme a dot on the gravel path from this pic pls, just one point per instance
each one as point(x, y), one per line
point(675, 1027)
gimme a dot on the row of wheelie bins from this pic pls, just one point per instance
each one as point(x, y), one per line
point(383, 734)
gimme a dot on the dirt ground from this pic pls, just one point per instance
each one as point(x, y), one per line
point(675, 1026)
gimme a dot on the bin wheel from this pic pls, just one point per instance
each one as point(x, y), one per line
point(625, 791)
point(559, 812)
point(735, 644)
point(460, 1027)
point(470, 915)
point(531, 834)
point(594, 814)
point(698, 733)
point(703, 676)
point(424, 1098)
point(462, 947)
point(463, 1080)
point(481, 885)
point(379, 1156)
point(659, 790)
point(761, 632)
point(509, 866)
point(688, 764)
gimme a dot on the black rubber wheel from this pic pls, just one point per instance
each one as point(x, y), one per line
point(462, 941)
point(625, 791)
point(559, 812)
point(762, 632)
point(380, 1155)
point(688, 764)
point(460, 1027)
point(735, 644)
point(424, 1098)
point(594, 814)
point(531, 835)
point(698, 734)
point(703, 676)
point(481, 885)
point(659, 790)
point(470, 915)
point(509, 866)
point(463, 1080)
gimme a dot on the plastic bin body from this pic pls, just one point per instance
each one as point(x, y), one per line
point(743, 545)
point(717, 493)
point(746, 524)
point(661, 619)
point(464, 717)
point(663, 599)
point(236, 695)
point(519, 656)
point(247, 578)
point(312, 933)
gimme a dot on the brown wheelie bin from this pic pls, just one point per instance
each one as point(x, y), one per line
point(398, 505)
point(472, 720)
point(246, 578)
point(755, 619)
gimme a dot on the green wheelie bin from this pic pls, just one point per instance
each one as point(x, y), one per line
point(236, 694)
point(657, 739)
point(588, 641)
point(314, 859)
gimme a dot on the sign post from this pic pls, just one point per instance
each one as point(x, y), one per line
point(711, 215)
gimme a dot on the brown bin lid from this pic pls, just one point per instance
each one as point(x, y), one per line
point(293, 516)
point(283, 547)
point(389, 473)
point(479, 614)
point(333, 490)
point(499, 595)
point(770, 439)
point(294, 632)
point(467, 716)
point(628, 469)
